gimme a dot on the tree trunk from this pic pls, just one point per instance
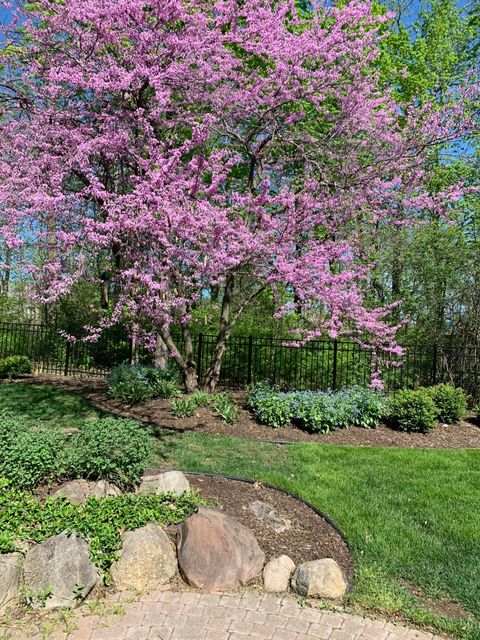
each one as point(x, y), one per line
point(213, 373)
point(161, 353)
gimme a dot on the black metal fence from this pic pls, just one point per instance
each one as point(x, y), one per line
point(322, 364)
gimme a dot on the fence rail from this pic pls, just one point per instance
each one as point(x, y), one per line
point(322, 364)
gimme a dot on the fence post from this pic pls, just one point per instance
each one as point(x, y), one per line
point(67, 358)
point(200, 354)
point(250, 353)
point(335, 355)
point(434, 364)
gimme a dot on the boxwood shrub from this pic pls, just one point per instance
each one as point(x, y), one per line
point(413, 411)
point(451, 402)
point(15, 366)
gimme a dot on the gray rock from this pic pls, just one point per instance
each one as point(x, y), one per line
point(147, 560)
point(173, 482)
point(215, 552)
point(59, 573)
point(267, 514)
point(277, 573)
point(80, 490)
point(10, 580)
point(322, 578)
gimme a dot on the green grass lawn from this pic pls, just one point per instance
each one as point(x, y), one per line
point(411, 516)
point(38, 403)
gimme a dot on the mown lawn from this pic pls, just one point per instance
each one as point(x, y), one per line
point(37, 403)
point(411, 516)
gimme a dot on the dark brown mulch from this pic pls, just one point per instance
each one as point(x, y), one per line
point(310, 536)
point(158, 412)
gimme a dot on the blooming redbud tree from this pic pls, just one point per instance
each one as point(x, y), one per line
point(187, 144)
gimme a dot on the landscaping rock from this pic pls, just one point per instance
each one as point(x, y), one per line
point(147, 560)
point(168, 482)
point(80, 490)
point(265, 512)
point(59, 572)
point(215, 552)
point(277, 573)
point(10, 580)
point(322, 578)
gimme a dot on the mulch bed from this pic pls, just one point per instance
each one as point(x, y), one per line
point(310, 536)
point(466, 434)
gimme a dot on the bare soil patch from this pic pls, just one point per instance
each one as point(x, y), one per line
point(466, 434)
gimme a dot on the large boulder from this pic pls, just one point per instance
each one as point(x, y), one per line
point(173, 482)
point(80, 490)
point(147, 560)
point(215, 552)
point(277, 573)
point(322, 578)
point(59, 573)
point(10, 580)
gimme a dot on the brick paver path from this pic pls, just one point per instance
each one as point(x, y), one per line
point(169, 615)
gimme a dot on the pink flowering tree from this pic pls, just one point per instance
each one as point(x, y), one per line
point(174, 146)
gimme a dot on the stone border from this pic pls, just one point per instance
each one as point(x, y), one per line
point(268, 486)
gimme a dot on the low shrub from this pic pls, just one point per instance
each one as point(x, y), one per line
point(133, 384)
point(224, 407)
point(15, 366)
point(317, 411)
point(111, 448)
point(451, 402)
point(413, 411)
point(100, 521)
point(29, 456)
point(184, 407)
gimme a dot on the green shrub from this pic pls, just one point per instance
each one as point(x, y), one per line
point(29, 456)
point(100, 521)
point(412, 411)
point(15, 366)
point(111, 448)
point(133, 384)
point(184, 407)
point(224, 407)
point(451, 402)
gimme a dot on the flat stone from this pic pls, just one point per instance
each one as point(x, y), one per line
point(174, 482)
point(216, 552)
point(79, 491)
point(267, 514)
point(322, 578)
point(147, 560)
point(59, 572)
point(277, 573)
point(10, 580)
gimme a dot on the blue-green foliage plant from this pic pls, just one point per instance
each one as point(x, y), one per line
point(317, 411)
point(133, 384)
